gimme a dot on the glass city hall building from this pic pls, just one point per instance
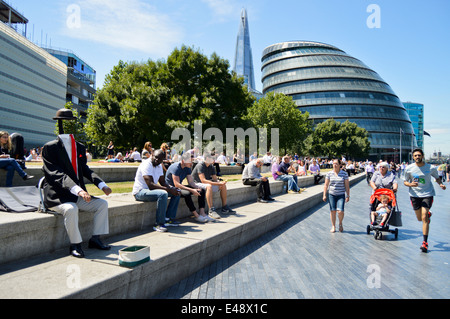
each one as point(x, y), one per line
point(328, 83)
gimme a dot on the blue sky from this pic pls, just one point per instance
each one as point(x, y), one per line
point(410, 50)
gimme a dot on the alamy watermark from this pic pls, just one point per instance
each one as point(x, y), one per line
point(73, 280)
point(257, 140)
point(73, 20)
point(374, 279)
point(374, 19)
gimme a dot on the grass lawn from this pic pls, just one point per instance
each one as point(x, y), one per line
point(127, 187)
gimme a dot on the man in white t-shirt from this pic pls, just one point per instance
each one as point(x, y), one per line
point(267, 159)
point(136, 156)
point(222, 159)
point(146, 189)
point(421, 191)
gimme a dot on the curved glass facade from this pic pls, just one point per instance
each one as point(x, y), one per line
point(328, 83)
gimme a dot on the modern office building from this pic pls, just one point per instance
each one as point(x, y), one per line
point(13, 18)
point(81, 80)
point(32, 85)
point(243, 59)
point(328, 83)
point(415, 112)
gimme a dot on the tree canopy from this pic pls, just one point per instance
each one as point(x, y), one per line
point(333, 139)
point(276, 110)
point(142, 102)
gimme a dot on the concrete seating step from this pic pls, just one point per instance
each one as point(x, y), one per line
point(26, 234)
point(174, 255)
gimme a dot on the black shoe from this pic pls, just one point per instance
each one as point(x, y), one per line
point(227, 210)
point(95, 242)
point(424, 247)
point(269, 199)
point(260, 200)
point(76, 251)
point(27, 177)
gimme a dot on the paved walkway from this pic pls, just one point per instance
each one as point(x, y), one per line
point(302, 259)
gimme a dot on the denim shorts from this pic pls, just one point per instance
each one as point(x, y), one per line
point(336, 202)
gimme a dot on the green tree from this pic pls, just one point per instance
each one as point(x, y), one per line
point(145, 101)
point(276, 110)
point(333, 139)
point(75, 127)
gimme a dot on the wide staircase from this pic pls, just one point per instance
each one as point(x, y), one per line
point(34, 260)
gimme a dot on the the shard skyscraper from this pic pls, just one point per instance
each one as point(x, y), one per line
point(243, 60)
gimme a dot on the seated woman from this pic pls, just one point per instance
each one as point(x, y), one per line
point(301, 169)
point(8, 163)
point(147, 151)
point(117, 159)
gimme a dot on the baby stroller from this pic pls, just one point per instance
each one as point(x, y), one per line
point(393, 218)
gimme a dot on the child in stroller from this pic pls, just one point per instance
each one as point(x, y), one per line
point(383, 210)
point(383, 207)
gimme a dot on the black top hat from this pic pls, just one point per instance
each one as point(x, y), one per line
point(64, 114)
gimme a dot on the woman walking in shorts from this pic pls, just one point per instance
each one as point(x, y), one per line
point(337, 185)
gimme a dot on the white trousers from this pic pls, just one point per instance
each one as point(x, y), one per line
point(70, 210)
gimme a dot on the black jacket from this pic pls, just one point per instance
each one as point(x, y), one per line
point(59, 174)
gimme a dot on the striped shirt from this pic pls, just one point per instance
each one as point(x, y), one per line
point(337, 185)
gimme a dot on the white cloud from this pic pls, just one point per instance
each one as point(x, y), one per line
point(126, 24)
point(223, 9)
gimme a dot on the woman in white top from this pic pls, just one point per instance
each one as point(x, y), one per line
point(301, 169)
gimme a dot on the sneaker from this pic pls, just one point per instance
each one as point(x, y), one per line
point(429, 216)
point(424, 247)
point(227, 210)
point(260, 200)
point(160, 228)
point(209, 218)
point(212, 213)
point(292, 192)
point(201, 219)
point(171, 223)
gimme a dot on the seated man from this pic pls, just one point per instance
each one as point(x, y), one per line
point(135, 156)
point(222, 159)
point(205, 177)
point(280, 171)
point(314, 169)
point(175, 175)
point(252, 176)
point(267, 159)
point(64, 166)
point(146, 188)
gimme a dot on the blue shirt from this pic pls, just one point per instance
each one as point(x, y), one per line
point(175, 169)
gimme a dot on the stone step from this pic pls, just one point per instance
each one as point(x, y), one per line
point(174, 255)
point(26, 234)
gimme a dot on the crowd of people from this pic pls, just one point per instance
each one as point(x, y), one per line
point(164, 177)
